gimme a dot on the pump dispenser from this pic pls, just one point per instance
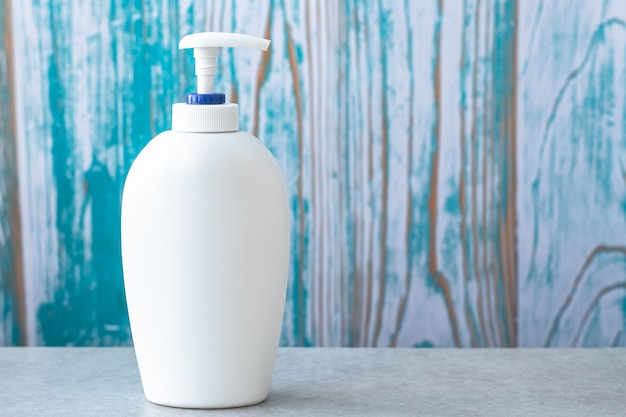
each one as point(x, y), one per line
point(223, 118)
point(205, 249)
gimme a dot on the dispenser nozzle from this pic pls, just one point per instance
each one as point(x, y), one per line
point(205, 46)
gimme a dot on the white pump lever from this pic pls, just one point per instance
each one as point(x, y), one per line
point(205, 46)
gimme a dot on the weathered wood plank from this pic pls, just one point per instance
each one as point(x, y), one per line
point(572, 228)
point(12, 308)
point(470, 215)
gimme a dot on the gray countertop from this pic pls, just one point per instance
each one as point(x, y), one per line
point(336, 382)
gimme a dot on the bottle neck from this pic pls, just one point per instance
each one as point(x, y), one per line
point(205, 117)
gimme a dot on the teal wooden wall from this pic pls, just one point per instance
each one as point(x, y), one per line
point(457, 168)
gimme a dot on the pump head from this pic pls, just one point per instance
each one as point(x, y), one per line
point(205, 46)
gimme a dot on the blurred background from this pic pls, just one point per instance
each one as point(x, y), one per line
point(457, 168)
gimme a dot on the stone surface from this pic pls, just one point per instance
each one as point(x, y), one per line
point(336, 382)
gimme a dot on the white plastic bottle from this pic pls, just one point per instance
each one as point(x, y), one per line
point(205, 250)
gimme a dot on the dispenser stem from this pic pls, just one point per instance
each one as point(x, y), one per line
point(205, 68)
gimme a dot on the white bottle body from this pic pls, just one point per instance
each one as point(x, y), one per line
point(205, 251)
